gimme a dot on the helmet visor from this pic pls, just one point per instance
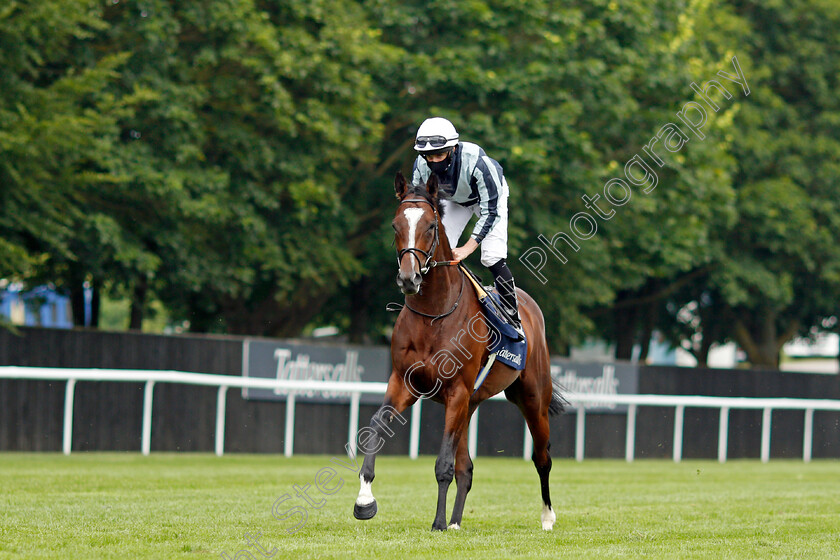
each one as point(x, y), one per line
point(425, 142)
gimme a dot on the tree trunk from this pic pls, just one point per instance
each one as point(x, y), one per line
point(76, 287)
point(648, 321)
point(702, 354)
point(626, 322)
point(761, 342)
point(714, 321)
point(359, 320)
point(77, 303)
point(138, 303)
point(95, 303)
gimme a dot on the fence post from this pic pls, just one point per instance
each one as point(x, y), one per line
point(472, 440)
point(354, 422)
point(414, 438)
point(147, 417)
point(678, 432)
point(289, 443)
point(580, 435)
point(765, 434)
point(221, 405)
point(630, 437)
point(528, 445)
point(69, 393)
point(808, 435)
point(723, 434)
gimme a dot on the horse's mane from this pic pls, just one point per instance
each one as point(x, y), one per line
point(422, 192)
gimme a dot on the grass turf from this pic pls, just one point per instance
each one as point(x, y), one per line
point(110, 505)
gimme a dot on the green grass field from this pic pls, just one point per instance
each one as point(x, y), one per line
point(200, 506)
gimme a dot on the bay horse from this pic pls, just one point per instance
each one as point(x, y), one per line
point(439, 345)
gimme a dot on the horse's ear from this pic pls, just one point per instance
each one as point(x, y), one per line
point(432, 185)
point(400, 185)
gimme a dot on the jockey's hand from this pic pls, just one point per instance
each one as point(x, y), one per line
point(461, 253)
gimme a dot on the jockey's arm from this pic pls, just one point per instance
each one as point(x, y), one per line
point(465, 250)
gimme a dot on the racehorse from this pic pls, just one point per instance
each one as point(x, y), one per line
point(439, 345)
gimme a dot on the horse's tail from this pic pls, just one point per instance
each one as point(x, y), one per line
point(558, 403)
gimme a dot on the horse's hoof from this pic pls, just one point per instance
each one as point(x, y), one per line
point(364, 512)
point(454, 526)
point(438, 526)
point(548, 518)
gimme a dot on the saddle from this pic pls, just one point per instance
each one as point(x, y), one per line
point(505, 344)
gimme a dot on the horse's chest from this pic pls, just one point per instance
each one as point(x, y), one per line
point(441, 355)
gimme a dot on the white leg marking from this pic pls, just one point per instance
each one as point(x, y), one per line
point(455, 526)
point(365, 493)
point(548, 518)
point(413, 216)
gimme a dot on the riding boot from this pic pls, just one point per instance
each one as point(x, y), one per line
point(503, 279)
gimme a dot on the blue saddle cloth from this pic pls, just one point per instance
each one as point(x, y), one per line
point(510, 351)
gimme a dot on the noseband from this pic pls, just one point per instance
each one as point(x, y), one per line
point(428, 263)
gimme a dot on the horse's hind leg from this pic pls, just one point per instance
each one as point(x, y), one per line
point(463, 475)
point(397, 399)
point(533, 398)
point(538, 425)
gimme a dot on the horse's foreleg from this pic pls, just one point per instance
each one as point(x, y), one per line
point(397, 399)
point(463, 475)
point(457, 406)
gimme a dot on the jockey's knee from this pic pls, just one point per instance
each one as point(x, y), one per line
point(493, 260)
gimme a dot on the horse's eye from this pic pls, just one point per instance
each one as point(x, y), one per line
point(393, 225)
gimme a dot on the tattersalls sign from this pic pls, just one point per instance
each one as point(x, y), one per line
point(600, 379)
point(284, 359)
point(314, 362)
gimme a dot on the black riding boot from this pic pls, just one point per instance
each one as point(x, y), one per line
point(503, 279)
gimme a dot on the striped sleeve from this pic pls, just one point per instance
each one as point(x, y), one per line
point(417, 172)
point(488, 180)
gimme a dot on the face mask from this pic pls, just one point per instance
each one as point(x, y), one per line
point(439, 167)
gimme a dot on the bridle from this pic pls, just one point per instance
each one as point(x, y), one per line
point(429, 263)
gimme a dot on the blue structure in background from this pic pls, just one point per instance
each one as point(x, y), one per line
point(660, 352)
point(41, 307)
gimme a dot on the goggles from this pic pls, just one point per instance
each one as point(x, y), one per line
point(433, 141)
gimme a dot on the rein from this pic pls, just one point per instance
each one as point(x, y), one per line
point(426, 266)
point(398, 306)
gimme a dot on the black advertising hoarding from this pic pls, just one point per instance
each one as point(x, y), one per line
point(598, 378)
point(283, 359)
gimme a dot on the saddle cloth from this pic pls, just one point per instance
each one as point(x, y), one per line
point(508, 349)
point(505, 344)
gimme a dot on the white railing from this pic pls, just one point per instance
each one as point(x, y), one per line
point(224, 382)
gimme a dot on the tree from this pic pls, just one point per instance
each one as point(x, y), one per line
point(55, 124)
point(776, 274)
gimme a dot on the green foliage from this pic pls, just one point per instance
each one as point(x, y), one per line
point(53, 118)
point(235, 160)
point(777, 270)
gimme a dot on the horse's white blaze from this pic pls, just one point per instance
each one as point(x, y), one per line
point(455, 526)
point(412, 215)
point(365, 493)
point(548, 518)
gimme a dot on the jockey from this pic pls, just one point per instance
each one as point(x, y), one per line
point(474, 184)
